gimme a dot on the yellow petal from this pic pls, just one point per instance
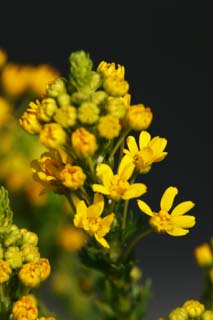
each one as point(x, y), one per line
point(168, 198)
point(132, 145)
point(182, 208)
point(96, 209)
point(81, 214)
point(125, 168)
point(183, 221)
point(144, 139)
point(145, 208)
point(105, 225)
point(177, 232)
point(135, 190)
point(160, 157)
point(99, 188)
point(102, 241)
point(158, 144)
point(105, 174)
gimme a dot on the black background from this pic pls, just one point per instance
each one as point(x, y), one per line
point(166, 48)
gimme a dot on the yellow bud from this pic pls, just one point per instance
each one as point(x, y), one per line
point(88, 112)
point(115, 87)
point(29, 237)
point(25, 309)
point(78, 97)
point(14, 257)
point(138, 117)
point(44, 267)
point(30, 275)
point(71, 238)
point(29, 120)
point(30, 253)
point(5, 271)
point(207, 315)
point(203, 255)
point(194, 308)
point(178, 314)
point(99, 97)
point(136, 274)
point(66, 116)
point(13, 236)
point(72, 176)
point(116, 107)
point(64, 99)
point(83, 142)
point(47, 109)
point(52, 135)
point(109, 127)
point(56, 87)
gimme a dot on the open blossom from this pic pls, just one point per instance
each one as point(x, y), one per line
point(117, 186)
point(89, 218)
point(149, 151)
point(176, 223)
point(111, 70)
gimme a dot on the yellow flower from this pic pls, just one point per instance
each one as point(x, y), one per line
point(47, 109)
point(5, 111)
point(109, 127)
point(30, 275)
point(115, 86)
point(111, 70)
point(70, 238)
point(66, 116)
point(194, 308)
point(29, 120)
point(149, 151)
point(52, 135)
point(116, 107)
point(203, 255)
point(30, 253)
point(72, 176)
point(89, 219)
point(175, 224)
point(83, 142)
point(3, 57)
point(25, 309)
point(13, 256)
point(207, 315)
point(117, 186)
point(5, 271)
point(139, 117)
point(178, 314)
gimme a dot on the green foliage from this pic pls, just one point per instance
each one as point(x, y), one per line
point(6, 214)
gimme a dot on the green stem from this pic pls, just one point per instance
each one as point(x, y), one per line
point(91, 167)
point(118, 143)
point(134, 242)
point(125, 211)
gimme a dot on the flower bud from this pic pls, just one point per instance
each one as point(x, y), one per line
point(64, 99)
point(178, 314)
point(14, 257)
point(30, 253)
point(138, 117)
point(56, 87)
point(116, 107)
point(52, 135)
point(203, 255)
point(194, 308)
point(29, 237)
point(25, 308)
point(44, 267)
point(83, 142)
point(5, 271)
point(109, 127)
point(47, 109)
point(30, 274)
point(66, 116)
point(72, 176)
point(88, 113)
point(207, 315)
point(78, 97)
point(115, 87)
point(99, 97)
point(29, 120)
point(13, 236)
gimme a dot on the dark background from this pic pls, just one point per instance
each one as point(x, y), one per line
point(166, 48)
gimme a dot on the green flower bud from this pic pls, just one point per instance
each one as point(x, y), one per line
point(64, 99)
point(93, 83)
point(14, 257)
point(178, 314)
point(57, 87)
point(6, 214)
point(13, 236)
point(88, 113)
point(207, 315)
point(135, 274)
point(30, 253)
point(116, 107)
point(47, 109)
point(29, 237)
point(78, 97)
point(66, 116)
point(98, 97)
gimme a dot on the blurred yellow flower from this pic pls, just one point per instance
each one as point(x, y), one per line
point(71, 238)
point(175, 224)
point(194, 308)
point(29, 120)
point(109, 127)
point(149, 151)
point(139, 117)
point(83, 142)
point(89, 219)
point(5, 271)
point(5, 111)
point(117, 186)
point(3, 57)
point(203, 255)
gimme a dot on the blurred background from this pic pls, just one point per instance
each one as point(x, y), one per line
point(166, 48)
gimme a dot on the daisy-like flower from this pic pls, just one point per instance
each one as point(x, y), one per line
point(149, 151)
point(117, 186)
point(175, 224)
point(89, 219)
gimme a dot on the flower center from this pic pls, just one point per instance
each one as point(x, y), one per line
point(143, 158)
point(117, 187)
point(94, 224)
point(161, 221)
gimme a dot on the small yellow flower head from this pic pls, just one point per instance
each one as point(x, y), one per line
point(98, 97)
point(149, 151)
point(53, 135)
point(66, 116)
point(44, 267)
point(30, 275)
point(117, 186)
point(29, 120)
point(115, 87)
point(3, 57)
point(89, 219)
point(88, 112)
point(116, 107)
point(13, 236)
point(83, 142)
point(5, 271)
point(174, 224)
point(64, 99)
point(25, 309)
point(72, 176)
point(29, 237)
point(139, 117)
point(71, 239)
point(203, 255)
point(47, 109)
point(211, 275)
point(194, 308)
point(5, 111)
point(207, 315)
point(111, 70)
point(178, 314)
point(41, 76)
point(15, 78)
point(30, 253)
point(109, 127)
point(13, 256)
point(56, 88)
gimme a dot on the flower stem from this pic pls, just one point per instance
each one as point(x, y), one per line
point(118, 143)
point(125, 211)
point(134, 242)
